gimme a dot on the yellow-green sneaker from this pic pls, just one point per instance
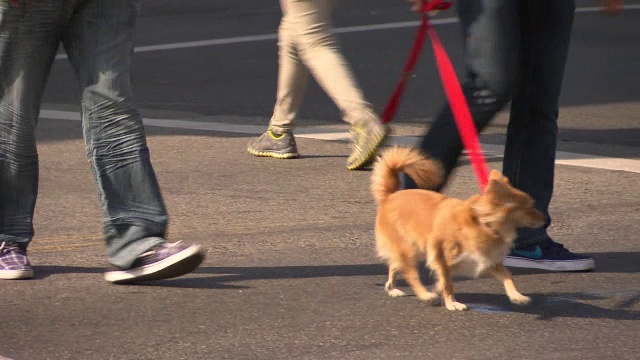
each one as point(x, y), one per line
point(280, 146)
point(365, 143)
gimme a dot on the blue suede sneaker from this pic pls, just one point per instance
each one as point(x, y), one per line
point(548, 255)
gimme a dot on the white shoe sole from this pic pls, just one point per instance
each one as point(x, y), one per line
point(16, 274)
point(176, 265)
point(552, 265)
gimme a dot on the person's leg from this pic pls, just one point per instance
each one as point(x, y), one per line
point(530, 147)
point(278, 141)
point(491, 49)
point(99, 42)
point(292, 76)
point(310, 21)
point(29, 38)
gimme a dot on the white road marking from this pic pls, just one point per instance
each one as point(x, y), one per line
point(563, 158)
point(348, 29)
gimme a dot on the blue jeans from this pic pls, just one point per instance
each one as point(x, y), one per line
point(98, 38)
point(515, 50)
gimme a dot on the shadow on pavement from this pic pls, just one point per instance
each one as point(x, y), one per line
point(233, 274)
point(228, 274)
point(44, 271)
point(548, 306)
point(616, 262)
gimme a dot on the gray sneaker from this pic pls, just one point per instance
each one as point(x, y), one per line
point(365, 143)
point(282, 146)
point(164, 261)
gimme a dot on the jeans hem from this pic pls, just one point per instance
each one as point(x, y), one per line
point(125, 257)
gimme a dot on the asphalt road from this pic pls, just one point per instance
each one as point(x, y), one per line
point(291, 271)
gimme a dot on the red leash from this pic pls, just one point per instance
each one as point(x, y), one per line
point(452, 89)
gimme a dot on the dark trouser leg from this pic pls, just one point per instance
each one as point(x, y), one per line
point(533, 126)
point(491, 49)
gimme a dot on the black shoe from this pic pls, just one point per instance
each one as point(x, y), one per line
point(548, 255)
point(281, 146)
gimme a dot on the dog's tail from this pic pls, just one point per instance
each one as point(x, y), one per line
point(427, 173)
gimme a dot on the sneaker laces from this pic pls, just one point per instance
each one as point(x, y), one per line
point(7, 246)
point(553, 247)
point(153, 250)
point(174, 244)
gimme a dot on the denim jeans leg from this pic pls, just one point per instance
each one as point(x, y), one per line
point(491, 42)
point(29, 38)
point(530, 148)
point(99, 43)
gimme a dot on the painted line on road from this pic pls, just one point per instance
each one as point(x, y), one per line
point(341, 30)
point(563, 158)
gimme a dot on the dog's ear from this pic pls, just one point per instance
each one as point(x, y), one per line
point(498, 189)
point(495, 175)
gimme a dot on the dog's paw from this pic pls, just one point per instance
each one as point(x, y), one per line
point(429, 297)
point(456, 306)
point(394, 293)
point(520, 299)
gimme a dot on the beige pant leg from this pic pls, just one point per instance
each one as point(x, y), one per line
point(307, 23)
point(292, 76)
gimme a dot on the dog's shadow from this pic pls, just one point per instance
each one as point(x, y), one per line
point(548, 306)
point(583, 304)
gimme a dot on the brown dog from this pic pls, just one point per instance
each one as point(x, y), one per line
point(467, 237)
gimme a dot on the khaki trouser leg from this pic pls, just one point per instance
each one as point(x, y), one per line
point(292, 76)
point(305, 40)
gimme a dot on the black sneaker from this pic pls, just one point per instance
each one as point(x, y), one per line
point(280, 146)
point(365, 143)
point(548, 255)
point(163, 261)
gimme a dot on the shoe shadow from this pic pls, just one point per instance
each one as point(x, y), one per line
point(560, 305)
point(44, 271)
point(208, 282)
point(225, 275)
